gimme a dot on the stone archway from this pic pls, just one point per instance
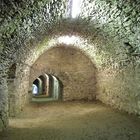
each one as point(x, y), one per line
point(47, 86)
point(44, 82)
point(56, 88)
point(72, 67)
point(38, 82)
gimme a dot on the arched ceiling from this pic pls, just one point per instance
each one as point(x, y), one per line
point(109, 32)
point(25, 24)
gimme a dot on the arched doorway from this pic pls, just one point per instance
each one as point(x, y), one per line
point(47, 86)
point(73, 68)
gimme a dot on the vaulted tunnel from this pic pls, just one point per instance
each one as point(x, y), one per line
point(46, 86)
point(72, 67)
point(89, 48)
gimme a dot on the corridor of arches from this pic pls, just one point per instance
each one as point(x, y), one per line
point(69, 70)
point(48, 87)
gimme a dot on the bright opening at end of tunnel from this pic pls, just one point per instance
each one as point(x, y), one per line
point(68, 39)
point(76, 8)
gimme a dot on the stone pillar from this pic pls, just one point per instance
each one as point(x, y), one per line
point(47, 85)
point(3, 103)
point(39, 86)
point(55, 88)
point(11, 97)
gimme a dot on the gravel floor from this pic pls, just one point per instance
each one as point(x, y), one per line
point(72, 121)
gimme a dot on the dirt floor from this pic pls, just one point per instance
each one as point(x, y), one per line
point(73, 121)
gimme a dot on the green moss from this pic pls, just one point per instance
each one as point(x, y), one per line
point(42, 44)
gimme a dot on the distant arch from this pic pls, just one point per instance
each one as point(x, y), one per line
point(48, 86)
point(43, 84)
point(38, 83)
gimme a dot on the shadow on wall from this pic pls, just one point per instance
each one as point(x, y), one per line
point(48, 87)
point(11, 90)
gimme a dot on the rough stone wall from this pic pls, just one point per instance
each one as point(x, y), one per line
point(75, 70)
point(120, 89)
point(21, 87)
point(21, 21)
point(111, 27)
point(120, 19)
point(119, 76)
